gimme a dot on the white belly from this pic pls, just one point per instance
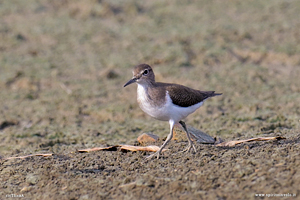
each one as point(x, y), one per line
point(164, 112)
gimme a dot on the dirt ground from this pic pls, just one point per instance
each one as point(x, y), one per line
point(62, 68)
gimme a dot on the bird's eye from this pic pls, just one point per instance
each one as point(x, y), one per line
point(145, 73)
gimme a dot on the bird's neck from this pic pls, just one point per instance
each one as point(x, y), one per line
point(147, 84)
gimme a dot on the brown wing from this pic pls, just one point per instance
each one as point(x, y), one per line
point(185, 97)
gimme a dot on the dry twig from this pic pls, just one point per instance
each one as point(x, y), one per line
point(122, 147)
point(22, 157)
point(235, 142)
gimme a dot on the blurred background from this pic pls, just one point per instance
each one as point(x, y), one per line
point(63, 65)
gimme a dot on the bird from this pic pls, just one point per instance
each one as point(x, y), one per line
point(167, 101)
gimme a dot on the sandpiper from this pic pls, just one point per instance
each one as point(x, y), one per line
point(166, 101)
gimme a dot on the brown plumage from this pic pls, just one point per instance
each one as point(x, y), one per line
point(166, 101)
point(180, 95)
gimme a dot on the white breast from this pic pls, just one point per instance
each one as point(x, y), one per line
point(165, 112)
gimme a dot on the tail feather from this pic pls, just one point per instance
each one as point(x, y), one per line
point(208, 94)
point(217, 94)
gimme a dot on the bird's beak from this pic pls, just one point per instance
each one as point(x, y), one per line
point(133, 80)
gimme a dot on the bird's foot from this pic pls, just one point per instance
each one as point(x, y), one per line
point(153, 155)
point(189, 147)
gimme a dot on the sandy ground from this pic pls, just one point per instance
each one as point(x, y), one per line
point(62, 68)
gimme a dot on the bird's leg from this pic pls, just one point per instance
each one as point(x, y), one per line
point(166, 142)
point(190, 145)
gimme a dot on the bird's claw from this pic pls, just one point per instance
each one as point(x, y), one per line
point(189, 147)
point(153, 155)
